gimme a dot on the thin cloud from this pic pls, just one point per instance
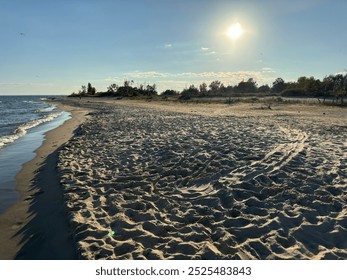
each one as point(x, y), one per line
point(146, 74)
point(267, 70)
point(207, 51)
point(168, 46)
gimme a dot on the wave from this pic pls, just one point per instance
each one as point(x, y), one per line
point(23, 129)
point(47, 109)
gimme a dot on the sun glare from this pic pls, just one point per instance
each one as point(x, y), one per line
point(234, 31)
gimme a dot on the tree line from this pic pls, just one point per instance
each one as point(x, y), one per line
point(332, 86)
point(126, 90)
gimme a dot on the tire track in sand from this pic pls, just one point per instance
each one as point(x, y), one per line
point(274, 160)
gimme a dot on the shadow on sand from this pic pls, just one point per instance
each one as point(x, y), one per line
point(47, 236)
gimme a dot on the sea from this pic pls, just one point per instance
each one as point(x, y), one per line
point(23, 122)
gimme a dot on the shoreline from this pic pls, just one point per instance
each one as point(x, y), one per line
point(169, 183)
point(20, 223)
point(21, 151)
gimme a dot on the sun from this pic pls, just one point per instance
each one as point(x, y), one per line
point(234, 31)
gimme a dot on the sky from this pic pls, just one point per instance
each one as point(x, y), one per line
point(54, 47)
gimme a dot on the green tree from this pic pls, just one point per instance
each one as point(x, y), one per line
point(310, 86)
point(151, 90)
point(278, 85)
point(112, 88)
point(214, 87)
point(128, 88)
point(169, 92)
point(247, 87)
point(187, 93)
point(264, 89)
point(203, 89)
point(83, 90)
point(91, 90)
point(340, 87)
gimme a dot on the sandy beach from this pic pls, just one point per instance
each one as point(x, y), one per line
point(161, 180)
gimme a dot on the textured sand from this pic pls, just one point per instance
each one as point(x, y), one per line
point(207, 182)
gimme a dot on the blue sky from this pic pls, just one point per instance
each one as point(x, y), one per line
point(53, 47)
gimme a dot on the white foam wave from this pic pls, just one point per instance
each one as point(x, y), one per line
point(22, 130)
point(48, 109)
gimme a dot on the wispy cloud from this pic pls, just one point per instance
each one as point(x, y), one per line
point(168, 46)
point(207, 51)
point(211, 53)
point(146, 74)
point(267, 70)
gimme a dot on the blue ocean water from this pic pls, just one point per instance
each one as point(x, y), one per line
point(18, 114)
point(23, 122)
